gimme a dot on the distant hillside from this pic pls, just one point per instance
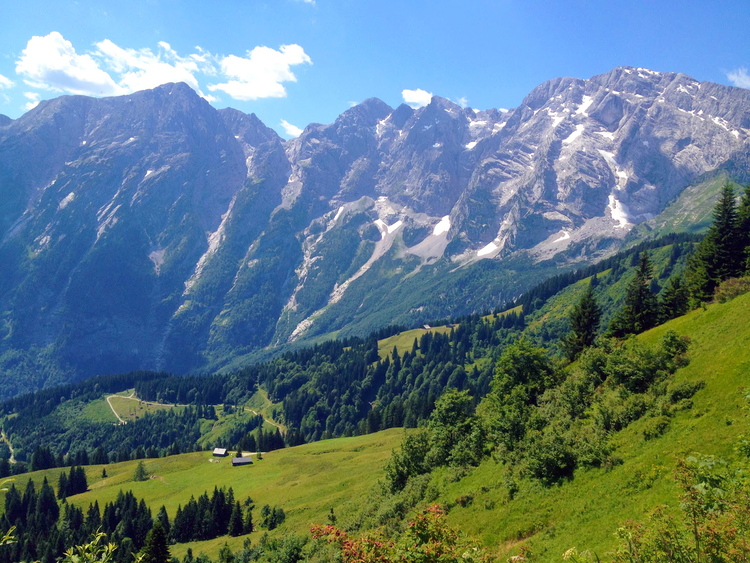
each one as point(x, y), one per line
point(335, 388)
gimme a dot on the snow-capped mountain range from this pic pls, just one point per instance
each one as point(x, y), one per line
point(154, 231)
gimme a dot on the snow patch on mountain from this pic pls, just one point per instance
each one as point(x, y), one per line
point(387, 229)
point(619, 212)
point(585, 105)
point(442, 227)
point(388, 235)
point(487, 250)
point(574, 135)
point(66, 200)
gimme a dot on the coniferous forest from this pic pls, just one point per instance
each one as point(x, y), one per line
point(547, 397)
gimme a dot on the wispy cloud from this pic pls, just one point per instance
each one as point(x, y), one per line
point(739, 77)
point(291, 130)
point(416, 98)
point(142, 69)
point(33, 98)
point(52, 63)
point(6, 82)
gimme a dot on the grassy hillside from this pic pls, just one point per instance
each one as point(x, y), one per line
point(306, 481)
point(405, 340)
point(690, 212)
point(586, 511)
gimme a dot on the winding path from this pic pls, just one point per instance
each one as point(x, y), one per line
point(109, 402)
point(268, 420)
point(134, 398)
point(4, 438)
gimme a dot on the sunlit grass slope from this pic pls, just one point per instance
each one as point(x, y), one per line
point(587, 511)
point(306, 481)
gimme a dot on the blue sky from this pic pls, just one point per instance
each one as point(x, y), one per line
point(300, 61)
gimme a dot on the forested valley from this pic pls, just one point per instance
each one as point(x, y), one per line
point(543, 385)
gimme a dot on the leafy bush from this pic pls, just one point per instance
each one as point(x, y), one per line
point(713, 523)
point(427, 539)
point(655, 427)
point(731, 288)
point(684, 390)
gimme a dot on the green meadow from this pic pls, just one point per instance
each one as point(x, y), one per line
point(306, 481)
point(405, 340)
point(585, 512)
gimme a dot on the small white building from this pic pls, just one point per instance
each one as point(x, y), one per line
point(220, 452)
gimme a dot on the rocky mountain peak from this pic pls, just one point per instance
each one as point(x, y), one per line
point(153, 231)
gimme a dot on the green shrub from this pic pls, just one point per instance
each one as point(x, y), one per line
point(655, 427)
point(731, 288)
point(684, 390)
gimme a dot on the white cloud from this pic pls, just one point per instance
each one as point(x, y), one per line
point(291, 130)
point(5, 82)
point(51, 63)
point(142, 69)
point(261, 73)
point(33, 98)
point(739, 77)
point(416, 98)
point(463, 101)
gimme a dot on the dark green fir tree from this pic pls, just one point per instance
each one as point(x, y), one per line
point(640, 310)
point(721, 254)
point(156, 549)
point(584, 322)
point(674, 299)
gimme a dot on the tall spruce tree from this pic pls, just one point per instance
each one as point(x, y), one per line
point(721, 254)
point(640, 311)
point(236, 525)
point(584, 324)
point(156, 550)
point(743, 228)
point(140, 473)
point(724, 237)
point(674, 299)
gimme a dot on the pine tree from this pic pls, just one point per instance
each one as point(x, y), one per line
point(674, 299)
point(236, 525)
point(697, 279)
point(743, 228)
point(163, 519)
point(584, 324)
point(723, 235)
point(156, 550)
point(640, 311)
point(47, 510)
point(62, 486)
point(140, 473)
point(721, 254)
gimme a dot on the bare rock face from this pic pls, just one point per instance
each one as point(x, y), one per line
point(153, 231)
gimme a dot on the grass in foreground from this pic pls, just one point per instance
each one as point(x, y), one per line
point(587, 511)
